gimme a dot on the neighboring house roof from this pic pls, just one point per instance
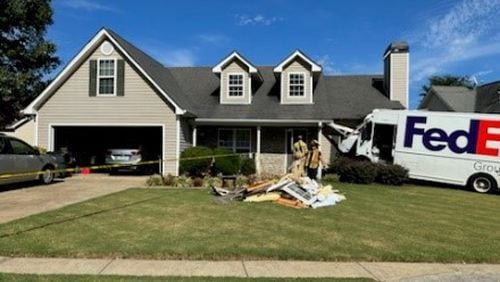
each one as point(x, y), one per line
point(488, 98)
point(455, 98)
point(335, 97)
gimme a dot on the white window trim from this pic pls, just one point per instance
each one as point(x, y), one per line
point(98, 76)
point(233, 148)
point(289, 84)
point(242, 85)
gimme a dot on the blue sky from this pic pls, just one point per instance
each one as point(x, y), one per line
point(346, 37)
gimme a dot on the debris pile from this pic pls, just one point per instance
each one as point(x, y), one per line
point(289, 191)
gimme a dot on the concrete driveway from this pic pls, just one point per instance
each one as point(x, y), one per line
point(28, 199)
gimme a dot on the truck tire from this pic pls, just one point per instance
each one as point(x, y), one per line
point(47, 176)
point(482, 183)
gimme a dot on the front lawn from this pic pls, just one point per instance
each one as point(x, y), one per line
point(376, 223)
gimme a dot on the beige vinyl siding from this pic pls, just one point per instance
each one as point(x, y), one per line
point(25, 132)
point(296, 66)
point(235, 67)
point(71, 105)
point(399, 77)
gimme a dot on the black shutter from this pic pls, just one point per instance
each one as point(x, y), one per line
point(93, 78)
point(120, 78)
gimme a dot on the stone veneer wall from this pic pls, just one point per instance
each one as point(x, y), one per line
point(272, 157)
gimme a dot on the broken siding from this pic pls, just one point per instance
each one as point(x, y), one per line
point(296, 66)
point(235, 67)
point(71, 105)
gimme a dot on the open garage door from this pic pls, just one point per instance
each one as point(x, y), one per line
point(89, 144)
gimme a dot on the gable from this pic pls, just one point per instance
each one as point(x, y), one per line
point(72, 98)
point(145, 65)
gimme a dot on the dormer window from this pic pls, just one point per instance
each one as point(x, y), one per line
point(235, 85)
point(298, 74)
point(236, 76)
point(106, 77)
point(296, 84)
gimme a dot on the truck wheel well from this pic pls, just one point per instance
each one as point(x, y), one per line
point(482, 174)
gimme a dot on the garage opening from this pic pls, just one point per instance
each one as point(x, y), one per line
point(89, 144)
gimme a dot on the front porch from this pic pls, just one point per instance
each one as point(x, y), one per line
point(269, 144)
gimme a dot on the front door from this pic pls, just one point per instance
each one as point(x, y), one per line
point(291, 137)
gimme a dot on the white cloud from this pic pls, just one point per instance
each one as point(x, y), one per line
point(215, 39)
point(178, 58)
point(465, 31)
point(257, 20)
point(328, 66)
point(87, 5)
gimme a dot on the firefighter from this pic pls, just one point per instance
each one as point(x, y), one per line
point(299, 155)
point(313, 160)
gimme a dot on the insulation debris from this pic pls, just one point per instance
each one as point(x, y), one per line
point(290, 191)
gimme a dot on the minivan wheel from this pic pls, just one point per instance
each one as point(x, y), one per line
point(482, 183)
point(47, 176)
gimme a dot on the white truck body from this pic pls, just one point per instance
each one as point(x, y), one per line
point(446, 147)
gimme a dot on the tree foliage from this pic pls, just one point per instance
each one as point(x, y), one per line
point(26, 56)
point(447, 80)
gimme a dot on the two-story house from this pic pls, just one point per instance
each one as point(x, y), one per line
point(111, 94)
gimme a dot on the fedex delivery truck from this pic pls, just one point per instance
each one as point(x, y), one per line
point(447, 147)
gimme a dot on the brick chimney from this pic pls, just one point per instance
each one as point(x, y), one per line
point(397, 72)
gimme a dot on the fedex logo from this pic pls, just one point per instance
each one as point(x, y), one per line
point(436, 139)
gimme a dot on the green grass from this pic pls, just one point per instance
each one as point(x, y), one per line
point(89, 278)
point(376, 223)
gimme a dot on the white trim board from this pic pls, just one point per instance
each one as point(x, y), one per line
point(32, 108)
point(218, 68)
point(314, 66)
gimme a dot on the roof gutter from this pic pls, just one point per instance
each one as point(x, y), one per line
point(222, 121)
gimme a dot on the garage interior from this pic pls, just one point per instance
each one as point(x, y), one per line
point(89, 144)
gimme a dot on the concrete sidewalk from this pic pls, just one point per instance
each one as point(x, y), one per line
point(382, 271)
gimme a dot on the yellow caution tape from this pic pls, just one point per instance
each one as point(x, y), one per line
point(98, 167)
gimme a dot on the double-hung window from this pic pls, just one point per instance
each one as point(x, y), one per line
point(106, 77)
point(237, 140)
point(235, 85)
point(296, 84)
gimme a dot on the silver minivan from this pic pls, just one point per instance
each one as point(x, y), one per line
point(19, 162)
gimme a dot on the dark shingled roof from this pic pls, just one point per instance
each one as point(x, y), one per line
point(457, 98)
point(196, 89)
point(488, 98)
point(155, 70)
point(335, 97)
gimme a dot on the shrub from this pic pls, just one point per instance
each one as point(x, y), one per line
point(169, 180)
point(183, 182)
point(357, 172)
point(391, 174)
point(155, 180)
point(212, 181)
point(247, 166)
point(228, 165)
point(337, 164)
point(197, 182)
point(40, 149)
point(196, 167)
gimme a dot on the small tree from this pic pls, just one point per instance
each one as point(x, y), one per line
point(26, 56)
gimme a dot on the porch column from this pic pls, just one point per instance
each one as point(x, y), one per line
point(257, 154)
point(320, 125)
point(194, 136)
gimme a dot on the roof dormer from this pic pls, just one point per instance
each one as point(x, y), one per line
point(297, 75)
point(236, 75)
